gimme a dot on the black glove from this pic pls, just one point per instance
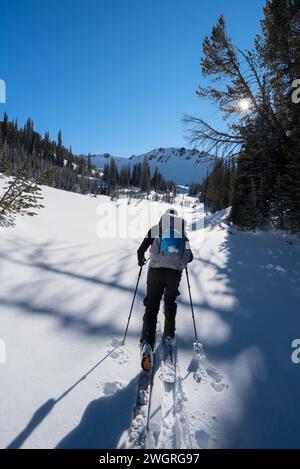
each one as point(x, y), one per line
point(141, 260)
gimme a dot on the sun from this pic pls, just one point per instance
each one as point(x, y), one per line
point(244, 104)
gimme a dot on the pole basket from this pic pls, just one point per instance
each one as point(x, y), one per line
point(198, 350)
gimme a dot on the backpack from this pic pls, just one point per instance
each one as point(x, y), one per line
point(172, 241)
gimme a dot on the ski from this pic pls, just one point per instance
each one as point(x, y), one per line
point(150, 423)
point(137, 435)
point(161, 429)
point(169, 360)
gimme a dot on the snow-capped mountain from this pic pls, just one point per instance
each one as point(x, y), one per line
point(179, 164)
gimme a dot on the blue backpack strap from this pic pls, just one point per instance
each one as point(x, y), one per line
point(183, 240)
point(159, 236)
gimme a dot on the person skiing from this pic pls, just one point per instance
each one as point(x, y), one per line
point(170, 253)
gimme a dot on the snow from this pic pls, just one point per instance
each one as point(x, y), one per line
point(181, 165)
point(65, 298)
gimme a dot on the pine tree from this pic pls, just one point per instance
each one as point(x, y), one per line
point(84, 185)
point(292, 192)
point(278, 205)
point(136, 174)
point(113, 177)
point(145, 180)
point(59, 140)
point(262, 183)
point(21, 196)
point(216, 190)
point(155, 180)
point(5, 160)
point(124, 179)
point(18, 145)
point(105, 176)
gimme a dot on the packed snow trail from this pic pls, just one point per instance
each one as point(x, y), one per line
point(65, 299)
point(161, 421)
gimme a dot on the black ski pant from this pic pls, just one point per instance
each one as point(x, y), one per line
point(160, 281)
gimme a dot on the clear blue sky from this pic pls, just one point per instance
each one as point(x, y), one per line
point(115, 75)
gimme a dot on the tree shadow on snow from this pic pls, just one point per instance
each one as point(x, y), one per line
point(47, 407)
point(74, 265)
point(103, 421)
point(38, 257)
point(262, 277)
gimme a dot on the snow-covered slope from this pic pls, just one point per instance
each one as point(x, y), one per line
point(65, 297)
point(179, 164)
point(100, 160)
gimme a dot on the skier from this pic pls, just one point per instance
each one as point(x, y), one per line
point(169, 255)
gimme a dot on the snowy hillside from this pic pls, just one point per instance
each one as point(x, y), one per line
point(65, 297)
point(179, 164)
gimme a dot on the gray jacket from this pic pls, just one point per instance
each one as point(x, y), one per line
point(158, 258)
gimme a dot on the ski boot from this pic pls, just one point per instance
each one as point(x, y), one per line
point(146, 356)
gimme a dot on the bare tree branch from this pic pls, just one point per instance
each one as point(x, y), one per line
point(209, 139)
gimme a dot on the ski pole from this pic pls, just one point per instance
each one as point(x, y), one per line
point(137, 284)
point(192, 308)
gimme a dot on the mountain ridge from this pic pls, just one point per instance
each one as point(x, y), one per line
point(182, 165)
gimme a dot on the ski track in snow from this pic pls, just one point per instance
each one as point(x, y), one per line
point(171, 427)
